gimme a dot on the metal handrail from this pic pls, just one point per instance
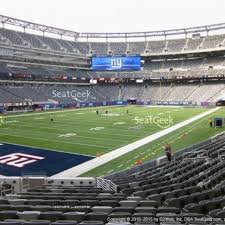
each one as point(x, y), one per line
point(106, 184)
point(221, 156)
point(6, 191)
point(198, 155)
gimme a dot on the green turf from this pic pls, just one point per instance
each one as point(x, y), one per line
point(38, 131)
point(193, 133)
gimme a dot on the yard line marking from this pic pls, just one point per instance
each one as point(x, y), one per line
point(10, 121)
point(92, 164)
point(110, 171)
point(53, 133)
point(46, 139)
point(67, 135)
point(77, 130)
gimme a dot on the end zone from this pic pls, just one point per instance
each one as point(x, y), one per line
point(16, 160)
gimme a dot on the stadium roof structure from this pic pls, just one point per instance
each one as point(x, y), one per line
point(185, 31)
point(63, 32)
point(35, 26)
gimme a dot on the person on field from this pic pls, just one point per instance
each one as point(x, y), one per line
point(168, 152)
point(210, 122)
point(97, 112)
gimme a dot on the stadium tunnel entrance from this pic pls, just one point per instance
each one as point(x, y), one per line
point(132, 101)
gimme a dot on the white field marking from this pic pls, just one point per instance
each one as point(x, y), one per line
point(112, 114)
point(67, 135)
point(96, 162)
point(11, 121)
point(79, 113)
point(218, 134)
point(96, 128)
point(58, 127)
point(53, 133)
point(119, 123)
point(79, 122)
point(172, 106)
point(108, 128)
point(65, 142)
point(136, 128)
point(129, 161)
point(39, 118)
point(85, 137)
point(120, 166)
point(63, 115)
point(88, 123)
point(77, 119)
point(137, 156)
point(110, 171)
point(55, 112)
point(93, 123)
point(155, 113)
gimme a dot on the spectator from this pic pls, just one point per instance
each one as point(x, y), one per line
point(168, 152)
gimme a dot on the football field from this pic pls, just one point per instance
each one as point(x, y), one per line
point(84, 132)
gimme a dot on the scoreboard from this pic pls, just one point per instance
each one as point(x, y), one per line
point(125, 63)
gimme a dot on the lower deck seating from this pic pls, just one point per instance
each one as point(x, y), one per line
point(189, 190)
